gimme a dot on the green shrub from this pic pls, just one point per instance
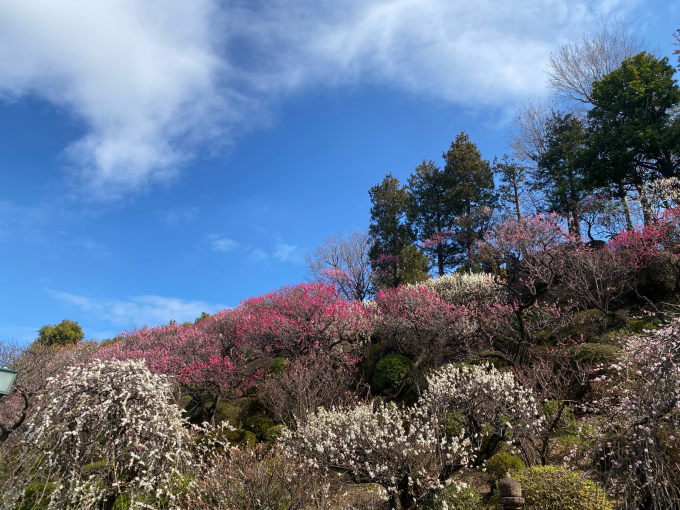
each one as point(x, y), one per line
point(390, 372)
point(458, 497)
point(639, 325)
point(258, 425)
point(501, 463)
point(278, 366)
point(558, 488)
point(240, 436)
point(597, 354)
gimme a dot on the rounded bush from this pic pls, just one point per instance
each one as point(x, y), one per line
point(558, 488)
point(501, 463)
point(390, 372)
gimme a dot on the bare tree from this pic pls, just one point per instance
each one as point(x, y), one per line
point(574, 67)
point(342, 259)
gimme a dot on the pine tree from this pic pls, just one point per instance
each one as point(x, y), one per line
point(394, 257)
point(473, 196)
point(432, 215)
point(557, 174)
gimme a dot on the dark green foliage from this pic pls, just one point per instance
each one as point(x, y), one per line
point(556, 174)
point(633, 134)
point(639, 325)
point(394, 257)
point(596, 354)
point(558, 488)
point(473, 197)
point(432, 211)
point(202, 317)
point(259, 425)
point(241, 436)
point(390, 372)
point(501, 463)
point(65, 333)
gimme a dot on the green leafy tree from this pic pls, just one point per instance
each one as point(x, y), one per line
point(432, 213)
point(633, 135)
point(557, 173)
point(395, 259)
point(65, 333)
point(473, 195)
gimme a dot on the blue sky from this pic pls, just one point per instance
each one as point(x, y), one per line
point(161, 158)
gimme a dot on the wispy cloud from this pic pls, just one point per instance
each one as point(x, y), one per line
point(288, 252)
point(138, 310)
point(219, 243)
point(92, 249)
point(258, 255)
point(179, 216)
point(154, 82)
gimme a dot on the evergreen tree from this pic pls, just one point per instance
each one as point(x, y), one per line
point(557, 174)
point(395, 259)
point(634, 131)
point(432, 214)
point(65, 333)
point(473, 197)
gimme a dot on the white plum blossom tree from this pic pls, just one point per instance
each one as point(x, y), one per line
point(488, 405)
point(103, 430)
point(402, 449)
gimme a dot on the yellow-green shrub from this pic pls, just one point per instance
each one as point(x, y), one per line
point(558, 488)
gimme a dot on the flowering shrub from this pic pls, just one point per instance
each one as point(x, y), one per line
point(489, 406)
point(464, 288)
point(36, 364)
point(419, 323)
point(307, 382)
point(188, 354)
point(637, 449)
point(104, 430)
point(292, 321)
point(258, 478)
point(404, 450)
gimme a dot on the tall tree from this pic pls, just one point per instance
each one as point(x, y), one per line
point(557, 173)
point(432, 214)
point(633, 135)
point(473, 194)
point(394, 257)
point(511, 175)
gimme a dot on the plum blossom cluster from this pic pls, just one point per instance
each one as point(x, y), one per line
point(637, 447)
point(402, 449)
point(489, 406)
point(103, 430)
point(465, 288)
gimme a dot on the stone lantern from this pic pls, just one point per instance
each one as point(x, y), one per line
point(510, 493)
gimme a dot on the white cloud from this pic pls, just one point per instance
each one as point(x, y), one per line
point(219, 243)
point(154, 81)
point(138, 310)
point(258, 255)
point(288, 252)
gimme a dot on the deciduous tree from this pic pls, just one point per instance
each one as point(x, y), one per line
point(343, 260)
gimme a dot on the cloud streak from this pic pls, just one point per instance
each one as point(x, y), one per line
point(154, 82)
point(137, 311)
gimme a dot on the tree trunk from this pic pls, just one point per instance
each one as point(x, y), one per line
point(626, 211)
point(647, 215)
